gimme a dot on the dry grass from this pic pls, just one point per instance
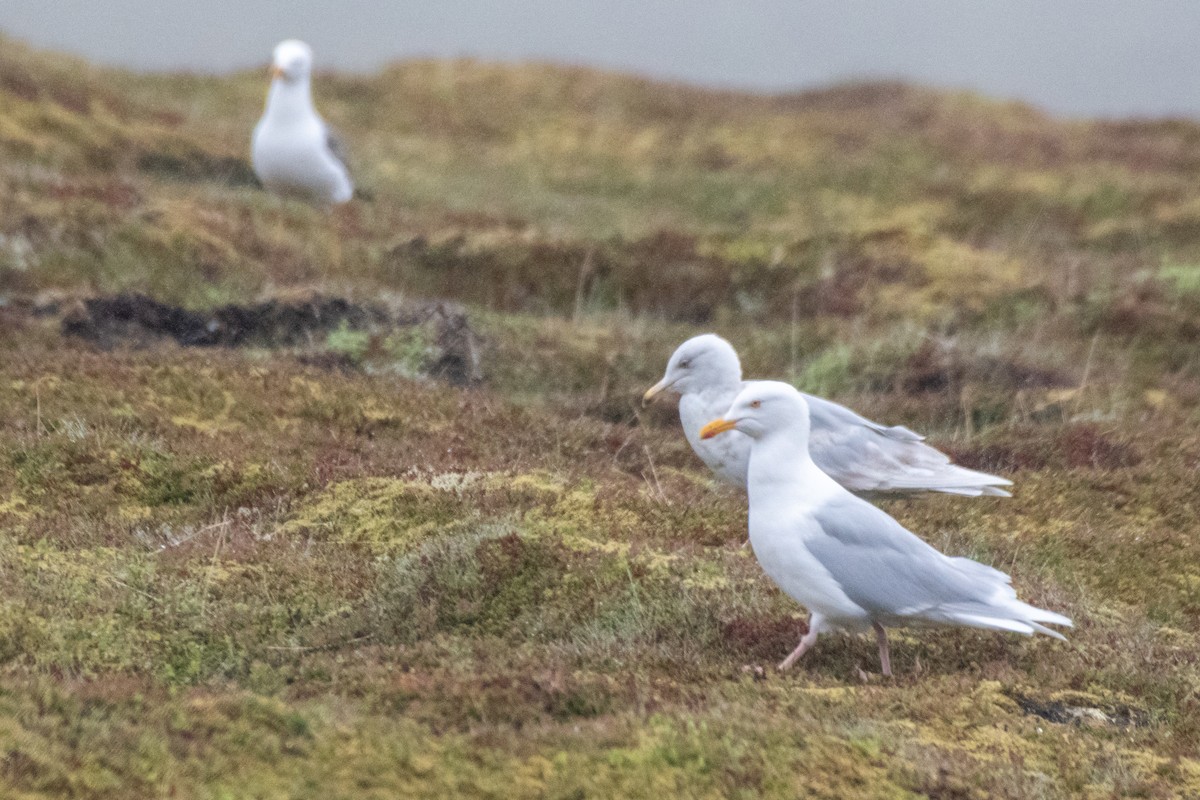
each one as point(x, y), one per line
point(311, 570)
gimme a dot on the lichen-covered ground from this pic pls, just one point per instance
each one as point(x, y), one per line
point(303, 567)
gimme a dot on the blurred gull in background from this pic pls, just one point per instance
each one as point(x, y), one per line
point(293, 151)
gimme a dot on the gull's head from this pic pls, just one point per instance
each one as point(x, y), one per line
point(763, 408)
point(291, 61)
point(702, 362)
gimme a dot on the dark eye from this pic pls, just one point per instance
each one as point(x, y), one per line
point(687, 362)
point(756, 404)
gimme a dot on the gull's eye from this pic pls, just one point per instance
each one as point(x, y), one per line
point(756, 404)
point(687, 362)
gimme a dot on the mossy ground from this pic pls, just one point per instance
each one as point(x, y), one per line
point(256, 573)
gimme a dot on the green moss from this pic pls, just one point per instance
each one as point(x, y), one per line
point(409, 351)
point(1183, 279)
point(348, 342)
point(233, 573)
point(383, 512)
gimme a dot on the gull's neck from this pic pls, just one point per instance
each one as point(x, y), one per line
point(289, 101)
point(722, 385)
point(780, 466)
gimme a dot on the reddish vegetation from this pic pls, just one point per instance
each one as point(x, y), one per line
point(1085, 445)
point(936, 368)
point(282, 559)
point(1074, 445)
point(755, 639)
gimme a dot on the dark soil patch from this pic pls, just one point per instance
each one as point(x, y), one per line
point(936, 368)
point(1065, 713)
point(754, 638)
point(839, 293)
point(1085, 445)
point(664, 275)
point(1075, 446)
point(141, 321)
point(193, 165)
point(1002, 459)
point(1146, 312)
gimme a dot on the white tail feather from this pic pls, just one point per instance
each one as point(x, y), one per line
point(1009, 614)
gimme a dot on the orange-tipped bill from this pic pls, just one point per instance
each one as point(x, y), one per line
point(276, 72)
point(718, 425)
point(654, 391)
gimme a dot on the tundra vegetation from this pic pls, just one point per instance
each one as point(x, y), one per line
point(363, 504)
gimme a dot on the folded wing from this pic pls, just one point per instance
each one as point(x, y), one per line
point(865, 456)
point(894, 575)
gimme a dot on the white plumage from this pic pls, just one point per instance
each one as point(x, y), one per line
point(293, 151)
point(861, 455)
point(849, 563)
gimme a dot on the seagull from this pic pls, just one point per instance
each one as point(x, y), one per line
point(293, 150)
point(849, 563)
point(861, 455)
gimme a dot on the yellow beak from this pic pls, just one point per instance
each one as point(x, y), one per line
point(276, 72)
point(718, 425)
point(654, 391)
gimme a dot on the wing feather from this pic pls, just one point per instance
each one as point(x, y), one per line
point(887, 570)
point(865, 456)
point(336, 146)
point(895, 576)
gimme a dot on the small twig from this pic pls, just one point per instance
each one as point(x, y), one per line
point(624, 444)
point(604, 384)
point(637, 421)
point(212, 566)
point(142, 592)
point(637, 599)
point(654, 474)
point(1087, 371)
point(315, 647)
point(795, 335)
point(37, 393)
point(965, 404)
point(585, 272)
point(192, 535)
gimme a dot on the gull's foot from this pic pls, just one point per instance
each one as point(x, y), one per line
point(754, 671)
point(806, 641)
point(885, 657)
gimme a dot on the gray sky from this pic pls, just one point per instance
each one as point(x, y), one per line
point(1077, 57)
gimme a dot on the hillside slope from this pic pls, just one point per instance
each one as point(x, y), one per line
point(305, 565)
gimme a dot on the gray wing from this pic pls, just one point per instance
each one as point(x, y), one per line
point(865, 456)
point(336, 146)
point(834, 414)
point(889, 571)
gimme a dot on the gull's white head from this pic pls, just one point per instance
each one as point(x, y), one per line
point(702, 362)
point(291, 61)
point(761, 409)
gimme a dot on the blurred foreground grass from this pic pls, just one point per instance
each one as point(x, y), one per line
point(307, 571)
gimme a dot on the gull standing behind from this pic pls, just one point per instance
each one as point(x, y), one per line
point(861, 455)
point(293, 151)
point(849, 563)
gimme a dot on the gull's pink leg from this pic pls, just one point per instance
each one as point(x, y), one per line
point(885, 659)
point(806, 641)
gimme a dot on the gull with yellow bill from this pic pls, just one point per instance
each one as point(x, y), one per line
point(861, 455)
point(293, 151)
point(850, 564)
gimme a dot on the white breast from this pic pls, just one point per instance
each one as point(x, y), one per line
point(291, 155)
point(780, 550)
point(780, 523)
point(726, 455)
